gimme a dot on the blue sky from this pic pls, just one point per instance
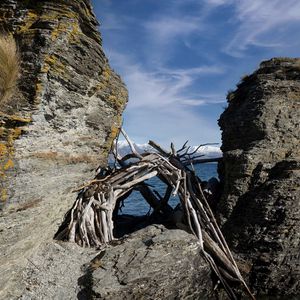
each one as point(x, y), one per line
point(179, 58)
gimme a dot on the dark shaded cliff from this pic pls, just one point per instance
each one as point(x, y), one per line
point(56, 128)
point(260, 205)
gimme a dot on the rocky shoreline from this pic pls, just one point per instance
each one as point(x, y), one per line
point(259, 209)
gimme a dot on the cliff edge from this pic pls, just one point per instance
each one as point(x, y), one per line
point(56, 128)
point(260, 205)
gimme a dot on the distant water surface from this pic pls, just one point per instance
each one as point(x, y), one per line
point(136, 205)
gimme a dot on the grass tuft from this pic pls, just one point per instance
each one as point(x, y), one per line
point(9, 67)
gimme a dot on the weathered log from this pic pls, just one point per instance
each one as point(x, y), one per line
point(134, 151)
point(159, 148)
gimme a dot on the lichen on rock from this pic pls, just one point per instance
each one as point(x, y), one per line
point(58, 126)
point(62, 63)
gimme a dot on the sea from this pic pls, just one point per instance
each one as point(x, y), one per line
point(136, 205)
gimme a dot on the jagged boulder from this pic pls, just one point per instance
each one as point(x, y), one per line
point(56, 128)
point(260, 174)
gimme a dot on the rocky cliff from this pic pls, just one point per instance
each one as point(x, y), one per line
point(58, 126)
point(260, 206)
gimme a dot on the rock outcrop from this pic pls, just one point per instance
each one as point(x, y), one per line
point(260, 205)
point(152, 263)
point(58, 126)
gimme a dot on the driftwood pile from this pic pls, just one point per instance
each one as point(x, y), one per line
point(90, 221)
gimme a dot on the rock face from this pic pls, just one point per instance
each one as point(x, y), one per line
point(152, 263)
point(260, 206)
point(58, 126)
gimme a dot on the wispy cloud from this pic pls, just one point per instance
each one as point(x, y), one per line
point(170, 124)
point(111, 22)
point(165, 29)
point(161, 106)
point(163, 86)
point(160, 95)
point(260, 22)
point(218, 2)
point(178, 59)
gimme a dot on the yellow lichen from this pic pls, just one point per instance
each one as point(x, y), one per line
point(106, 74)
point(69, 28)
point(51, 62)
point(30, 18)
point(98, 87)
point(20, 119)
point(14, 134)
point(9, 165)
point(116, 99)
point(74, 33)
point(7, 149)
point(114, 131)
point(117, 102)
point(3, 195)
point(14, 118)
point(45, 68)
point(3, 150)
point(67, 25)
point(61, 28)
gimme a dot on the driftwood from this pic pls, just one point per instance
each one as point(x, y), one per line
point(90, 221)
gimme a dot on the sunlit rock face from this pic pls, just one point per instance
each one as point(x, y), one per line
point(260, 206)
point(58, 126)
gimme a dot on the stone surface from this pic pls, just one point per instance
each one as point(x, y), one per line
point(54, 272)
point(152, 263)
point(260, 205)
point(58, 126)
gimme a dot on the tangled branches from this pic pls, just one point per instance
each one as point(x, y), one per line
point(90, 221)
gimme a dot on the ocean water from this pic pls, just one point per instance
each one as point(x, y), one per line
point(137, 206)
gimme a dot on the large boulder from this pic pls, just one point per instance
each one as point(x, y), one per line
point(260, 174)
point(152, 263)
point(56, 128)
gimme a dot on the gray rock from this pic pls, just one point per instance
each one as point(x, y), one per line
point(260, 174)
point(152, 263)
point(53, 272)
point(56, 129)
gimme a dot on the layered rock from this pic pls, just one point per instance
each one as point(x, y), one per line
point(58, 126)
point(260, 206)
